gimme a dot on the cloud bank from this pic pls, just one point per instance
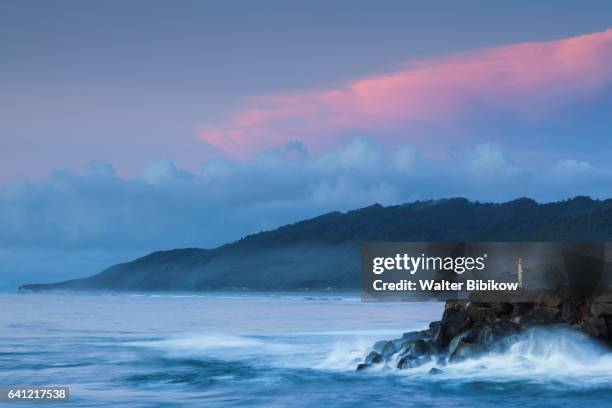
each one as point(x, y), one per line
point(527, 81)
point(167, 207)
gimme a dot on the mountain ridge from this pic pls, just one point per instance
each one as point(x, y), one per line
point(324, 252)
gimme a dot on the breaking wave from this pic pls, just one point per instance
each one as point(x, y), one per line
point(554, 356)
point(551, 357)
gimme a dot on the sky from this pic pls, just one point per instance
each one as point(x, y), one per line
point(127, 127)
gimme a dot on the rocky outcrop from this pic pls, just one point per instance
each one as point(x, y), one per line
point(468, 329)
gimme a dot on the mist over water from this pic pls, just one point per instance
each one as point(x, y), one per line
point(272, 350)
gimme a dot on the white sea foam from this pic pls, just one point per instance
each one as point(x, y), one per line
point(343, 356)
point(205, 342)
point(555, 357)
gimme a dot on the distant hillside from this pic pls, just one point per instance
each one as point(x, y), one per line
point(324, 252)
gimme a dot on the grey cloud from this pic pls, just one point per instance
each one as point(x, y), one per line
point(166, 206)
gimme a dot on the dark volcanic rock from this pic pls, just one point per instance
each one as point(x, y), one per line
point(601, 309)
point(384, 347)
point(466, 350)
point(519, 309)
point(501, 308)
point(470, 329)
point(608, 326)
point(421, 334)
point(571, 313)
point(545, 314)
point(420, 348)
point(595, 326)
point(434, 329)
point(453, 321)
point(373, 358)
point(412, 361)
point(476, 313)
point(542, 315)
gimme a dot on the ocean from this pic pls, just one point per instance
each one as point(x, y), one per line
point(271, 350)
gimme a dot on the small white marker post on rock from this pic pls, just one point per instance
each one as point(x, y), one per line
point(520, 271)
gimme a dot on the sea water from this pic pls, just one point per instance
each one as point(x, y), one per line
point(272, 350)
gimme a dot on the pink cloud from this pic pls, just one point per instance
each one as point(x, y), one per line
point(529, 80)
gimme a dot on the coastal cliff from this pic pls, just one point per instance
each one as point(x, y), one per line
point(472, 329)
